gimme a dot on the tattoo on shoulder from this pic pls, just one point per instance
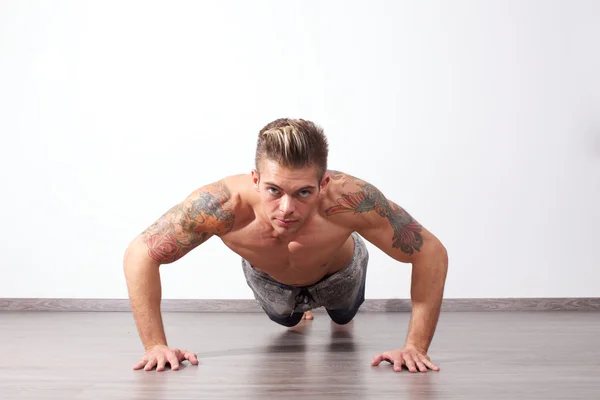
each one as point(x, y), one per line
point(337, 175)
point(407, 236)
point(190, 223)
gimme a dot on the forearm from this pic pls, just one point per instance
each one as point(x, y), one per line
point(144, 287)
point(427, 289)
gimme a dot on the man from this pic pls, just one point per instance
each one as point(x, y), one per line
point(297, 227)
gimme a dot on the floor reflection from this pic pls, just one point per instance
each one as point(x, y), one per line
point(308, 360)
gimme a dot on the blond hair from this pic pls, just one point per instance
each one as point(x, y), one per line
point(293, 143)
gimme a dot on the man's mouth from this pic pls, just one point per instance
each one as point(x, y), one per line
point(285, 222)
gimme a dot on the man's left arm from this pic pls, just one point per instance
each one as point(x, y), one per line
point(427, 287)
point(389, 227)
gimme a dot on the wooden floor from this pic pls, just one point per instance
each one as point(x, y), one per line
point(487, 355)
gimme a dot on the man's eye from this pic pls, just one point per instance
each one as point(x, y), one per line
point(305, 193)
point(273, 191)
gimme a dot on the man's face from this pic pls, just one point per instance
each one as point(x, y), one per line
point(288, 196)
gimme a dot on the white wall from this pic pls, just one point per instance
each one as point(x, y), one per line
point(482, 119)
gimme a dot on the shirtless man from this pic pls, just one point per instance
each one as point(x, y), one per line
point(296, 225)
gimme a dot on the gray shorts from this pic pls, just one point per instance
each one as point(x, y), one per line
point(341, 293)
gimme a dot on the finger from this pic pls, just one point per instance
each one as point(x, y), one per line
point(378, 358)
point(151, 363)
point(160, 366)
point(398, 364)
point(381, 357)
point(191, 357)
point(429, 364)
point(173, 361)
point(410, 363)
point(141, 364)
point(420, 365)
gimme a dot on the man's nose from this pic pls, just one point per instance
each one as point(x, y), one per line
point(286, 205)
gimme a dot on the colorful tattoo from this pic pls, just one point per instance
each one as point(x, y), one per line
point(407, 235)
point(190, 223)
point(337, 175)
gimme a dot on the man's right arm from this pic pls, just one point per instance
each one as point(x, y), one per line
point(206, 212)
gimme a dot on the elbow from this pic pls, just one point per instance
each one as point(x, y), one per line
point(130, 253)
point(434, 262)
point(443, 266)
point(444, 255)
point(435, 254)
point(440, 252)
point(136, 256)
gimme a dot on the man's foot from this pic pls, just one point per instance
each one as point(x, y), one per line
point(308, 315)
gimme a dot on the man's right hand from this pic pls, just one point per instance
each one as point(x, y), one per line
point(157, 356)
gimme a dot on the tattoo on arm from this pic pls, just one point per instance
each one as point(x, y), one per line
point(190, 223)
point(407, 235)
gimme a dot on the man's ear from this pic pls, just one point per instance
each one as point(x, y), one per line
point(325, 181)
point(255, 177)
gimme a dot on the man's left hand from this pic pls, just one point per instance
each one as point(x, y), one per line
point(414, 359)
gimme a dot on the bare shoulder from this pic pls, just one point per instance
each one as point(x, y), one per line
point(240, 193)
point(363, 207)
point(214, 205)
point(223, 201)
point(340, 180)
point(210, 210)
point(345, 198)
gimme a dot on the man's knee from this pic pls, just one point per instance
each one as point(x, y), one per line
point(342, 317)
point(341, 320)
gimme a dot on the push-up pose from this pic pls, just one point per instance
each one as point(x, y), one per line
point(298, 228)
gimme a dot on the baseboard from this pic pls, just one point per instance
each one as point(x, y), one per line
point(242, 306)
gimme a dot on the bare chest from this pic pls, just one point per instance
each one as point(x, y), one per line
point(319, 250)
